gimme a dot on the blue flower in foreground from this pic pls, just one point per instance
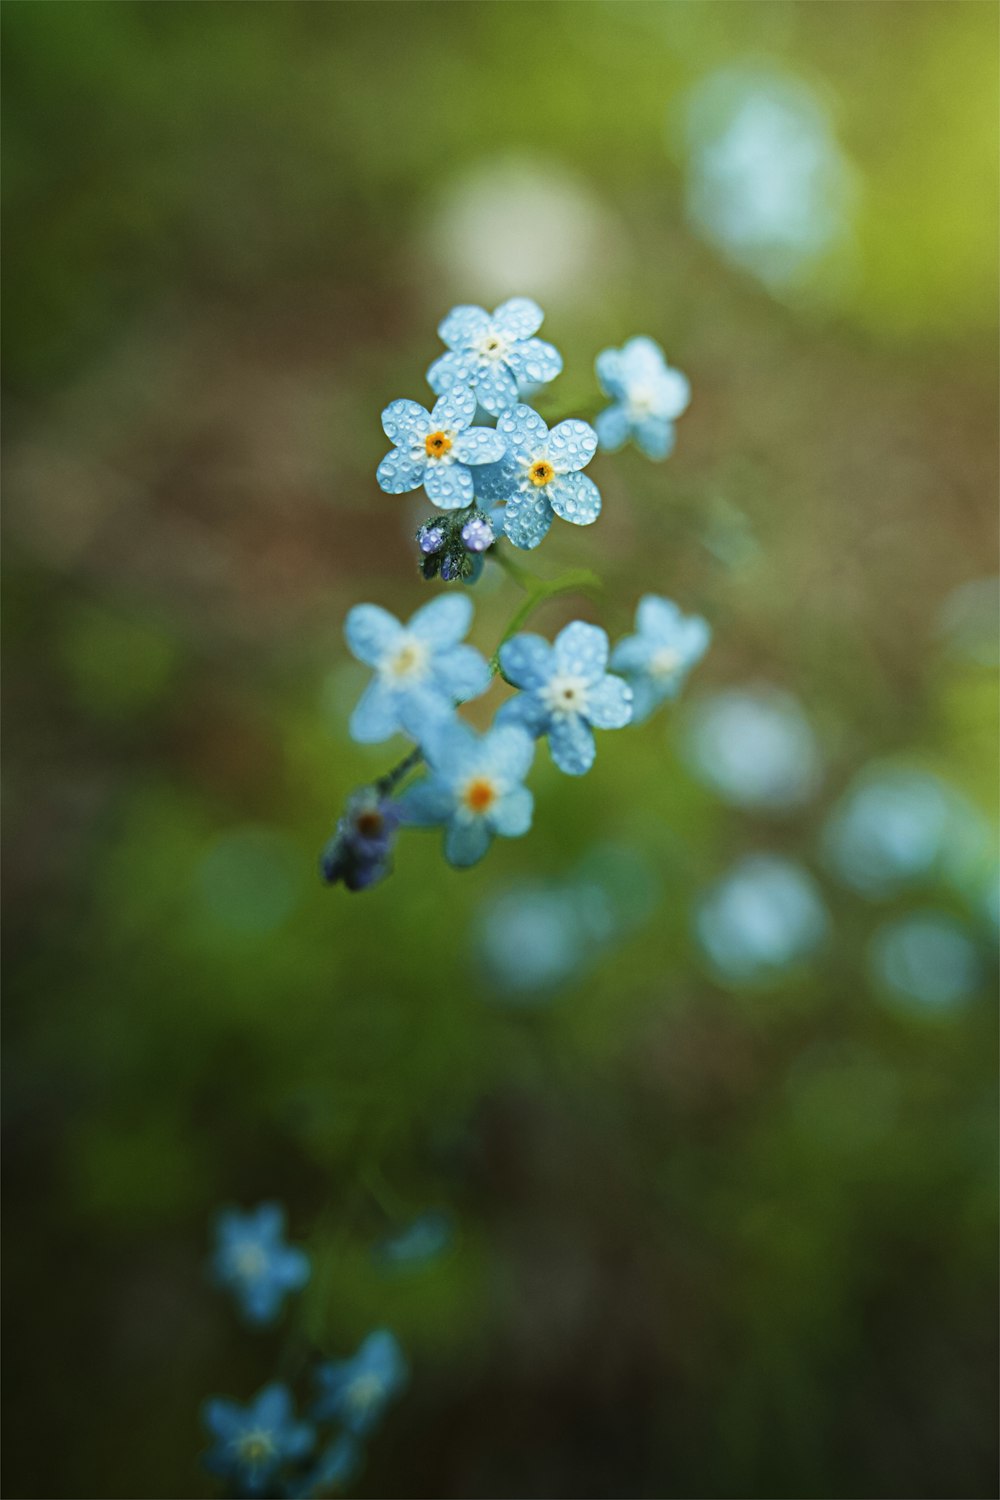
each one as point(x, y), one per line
point(253, 1442)
point(494, 353)
point(421, 670)
point(566, 692)
point(648, 396)
point(356, 1391)
point(436, 448)
point(474, 787)
point(540, 475)
point(657, 659)
point(253, 1261)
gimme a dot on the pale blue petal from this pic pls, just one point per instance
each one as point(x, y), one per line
point(572, 444)
point(658, 619)
point(273, 1407)
point(223, 1418)
point(268, 1219)
point(535, 362)
point(298, 1440)
point(448, 486)
point(398, 473)
point(656, 437)
point(495, 483)
point(526, 712)
point(518, 318)
point(405, 422)
point(466, 841)
point(451, 747)
point(642, 358)
point(610, 374)
point(575, 498)
point(527, 519)
point(291, 1267)
point(421, 708)
point(455, 409)
point(571, 742)
point(450, 369)
point(463, 326)
point(524, 431)
point(609, 703)
point(376, 716)
point(370, 632)
point(612, 428)
point(495, 386)
point(512, 814)
point(444, 621)
point(632, 653)
point(696, 636)
point(508, 752)
point(462, 672)
point(380, 1353)
point(426, 802)
point(673, 393)
point(581, 650)
point(646, 695)
point(526, 660)
point(480, 445)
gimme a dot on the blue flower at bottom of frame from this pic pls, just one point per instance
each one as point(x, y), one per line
point(252, 1259)
point(494, 353)
point(539, 477)
point(435, 449)
point(566, 692)
point(421, 669)
point(253, 1442)
point(648, 396)
point(335, 1466)
point(356, 1391)
point(657, 659)
point(474, 788)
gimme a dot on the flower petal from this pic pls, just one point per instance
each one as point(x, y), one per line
point(398, 473)
point(524, 431)
point(508, 752)
point(535, 362)
point(512, 814)
point(656, 437)
point(463, 326)
point(480, 445)
point(612, 426)
point(466, 841)
point(449, 369)
point(273, 1406)
point(526, 712)
point(376, 715)
point(518, 318)
point(462, 672)
point(572, 444)
point(610, 373)
point(581, 650)
point(495, 386)
point(658, 618)
point(495, 483)
point(426, 802)
point(646, 695)
point(632, 654)
point(223, 1418)
point(526, 520)
point(444, 621)
point(455, 409)
point(405, 422)
point(575, 498)
point(526, 660)
point(370, 632)
point(609, 703)
point(450, 747)
point(448, 486)
point(571, 742)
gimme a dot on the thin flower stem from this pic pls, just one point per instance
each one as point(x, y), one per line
point(392, 778)
point(522, 576)
point(576, 581)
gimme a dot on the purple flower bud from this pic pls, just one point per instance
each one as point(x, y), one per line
point(477, 535)
point(431, 540)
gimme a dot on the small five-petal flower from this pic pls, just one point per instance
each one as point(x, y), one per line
point(252, 1259)
point(356, 1391)
point(494, 353)
point(657, 659)
point(436, 448)
point(474, 788)
point(254, 1442)
point(539, 476)
point(647, 395)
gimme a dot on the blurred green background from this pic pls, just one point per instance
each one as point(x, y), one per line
point(711, 1239)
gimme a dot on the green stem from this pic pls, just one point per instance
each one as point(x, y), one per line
point(392, 778)
point(576, 581)
point(522, 576)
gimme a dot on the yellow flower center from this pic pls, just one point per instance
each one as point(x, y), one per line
point(409, 661)
point(541, 472)
point(664, 661)
point(364, 1391)
point(250, 1261)
point(255, 1447)
point(479, 795)
point(437, 444)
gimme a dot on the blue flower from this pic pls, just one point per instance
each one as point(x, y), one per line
point(539, 476)
point(421, 670)
point(648, 396)
point(755, 747)
point(359, 851)
point(356, 1391)
point(336, 1466)
point(765, 916)
point(656, 660)
point(926, 958)
point(436, 448)
point(253, 1261)
point(422, 1240)
point(474, 788)
point(254, 1442)
point(566, 692)
point(494, 353)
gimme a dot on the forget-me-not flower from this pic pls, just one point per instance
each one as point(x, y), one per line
point(359, 853)
point(253, 1442)
point(540, 475)
point(926, 958)
point(566, 692)
point(755, 747)
point(765, 916)
point(657, 659)
point(252, 1259)
point(648, 397)
point(494, 353)
point(474, 787)
point(421, 669)
point(435, 449)
point(891, 829)
point(356, 1391)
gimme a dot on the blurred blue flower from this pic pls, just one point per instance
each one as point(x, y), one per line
point(494, 353)
point(474, 787)
point(336, 1466)
point(927, 959)
point(356, 1391)
point(436, 448)
point(764, 916)
point(566, 692)
point(421, 670)
point(422, 1240)
point(532, 938)
point(755, 747)
point(359, 851)
point(254, 1442)
point(252, 1259)
point(647, 396)
point(657, 659)
point(540, 476)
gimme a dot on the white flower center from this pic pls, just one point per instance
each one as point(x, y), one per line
point(492, 346)
point(664, 662)
point(255, 1447)
point(364, 1391)
point(565, 694)
point(249, 1261)
point(641, 401)
point(407, 662)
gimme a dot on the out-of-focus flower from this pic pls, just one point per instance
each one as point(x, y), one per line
point(540, 475)
point(926, 959)
point(494, 353)
point(566, 692)
point(420, 668)
point(656, 660)
point(755, 747)
point(763, 917)
point(436, 449)
point(336, 1466)
point(356, 1391)
point(648, 396)
point(474, 787)
point(359, 851)
point(252, 1259)
point(254, 1442)
point(532, 938)
point(422, 1240)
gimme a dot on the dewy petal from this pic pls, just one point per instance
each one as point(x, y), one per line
point(450, 747)
point(526, 712)
point(610, 373)
point(524, 431)
point(371, 631)
point(612, 426)
point(646, 695)
point(479, 445)
point(508, 752)
point(449, 369)
point(454, 410)
point(526, 660)
point(398, 473)
point(581, 650)
point(571, 742)
point(535, 362)
point(495, 483)
point(656, 437)
point(632, 654)
point(462, 672)
point(609, 703)
point(495, 386)
point(376, 715)
point(405, 422)
point(512, 814)
point(426, 802)
point(658, 619)
point(526, 520)
point(572, 444)
point(465, 841)
point(463, 326)
point(448, 486)
point(575, 498)
point(444, 621)
point(518, 318)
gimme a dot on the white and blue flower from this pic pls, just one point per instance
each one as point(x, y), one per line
point(566, 692)
point(437, 449)
point(539, 477)
point(657, 659)
point(648, 396)
point(252, 1259)
point(254, 1442)
point(494, 353)
point(421, 669)
point(355, 1392)
point(474, 787)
